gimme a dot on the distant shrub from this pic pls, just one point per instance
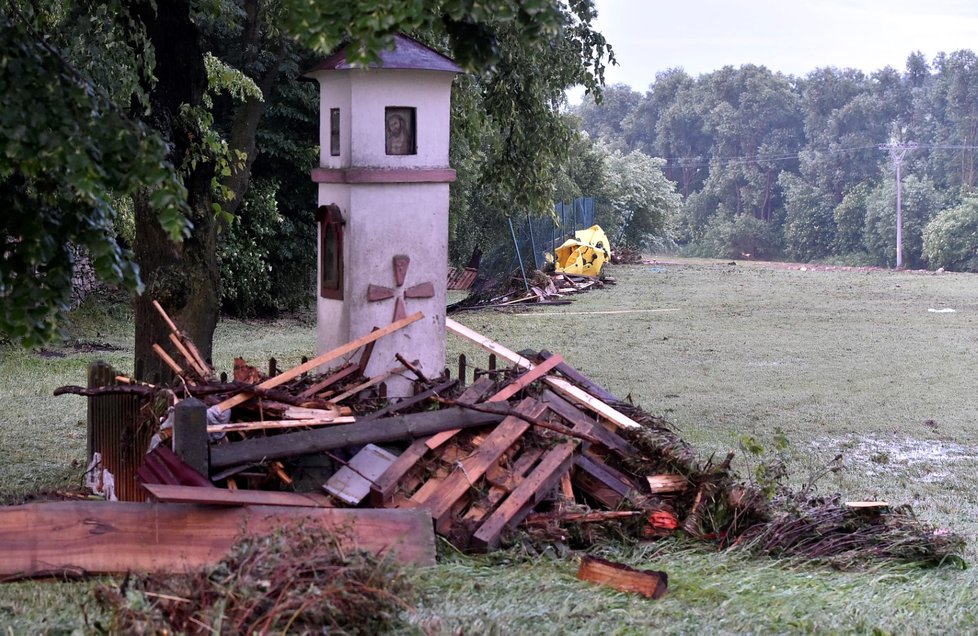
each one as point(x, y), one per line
point(809, 225)
point(920, 203)
point(850, 221)
point(951, 238)
point(739, 237)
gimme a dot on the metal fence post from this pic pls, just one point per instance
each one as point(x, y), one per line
point(190, 435)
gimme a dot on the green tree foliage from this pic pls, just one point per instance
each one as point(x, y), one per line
point(850, 221)
point(951, 238)
point(740, 236)
point(809, 224)
point(70, 154)
point(607, 122)
point(638, 200)
point(921, 202)
point(803, 154)
point(138, 91)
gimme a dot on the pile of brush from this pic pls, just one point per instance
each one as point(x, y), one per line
point(297, 580)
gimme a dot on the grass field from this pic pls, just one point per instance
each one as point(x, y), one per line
point(840, 361)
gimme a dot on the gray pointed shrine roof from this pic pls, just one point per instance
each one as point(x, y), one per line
point(407, 53)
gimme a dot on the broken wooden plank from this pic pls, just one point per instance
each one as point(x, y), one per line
point(85, 537)
point(192, 352)
point(597, 516)
point(344, 371)
point(363, 386)
point(278, 424)
point(560, 385)
point(201, 371)
point(583, 424)
point(352, 482)
point(220, 497)
point(520, 502)
point(384, 486)
point(504, 394)
point(663, 484)
point(598, 481)
point(325, 358)
point(170, 362)
point(582, 380)
point(469, 470)
point(386, 429)
point(649, 583)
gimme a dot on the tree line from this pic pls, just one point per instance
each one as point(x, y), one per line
point(777, 166)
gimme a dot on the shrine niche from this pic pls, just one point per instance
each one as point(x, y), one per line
point(399, 131)
point(330, 252)
point(383, 180)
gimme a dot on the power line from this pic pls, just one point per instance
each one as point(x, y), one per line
point(698, 162)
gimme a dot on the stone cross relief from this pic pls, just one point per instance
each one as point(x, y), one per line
point(376, 293)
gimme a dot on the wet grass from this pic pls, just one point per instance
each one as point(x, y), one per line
point(841, 361)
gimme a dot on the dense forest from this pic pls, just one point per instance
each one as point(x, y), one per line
point(803, 168)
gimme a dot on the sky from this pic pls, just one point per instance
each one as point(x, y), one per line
point(790, 36)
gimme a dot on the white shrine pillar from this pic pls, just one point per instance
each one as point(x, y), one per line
point(383, 204)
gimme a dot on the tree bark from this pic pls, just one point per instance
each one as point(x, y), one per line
point(184, 278)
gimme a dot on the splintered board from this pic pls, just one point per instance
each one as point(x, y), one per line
point(86, 537)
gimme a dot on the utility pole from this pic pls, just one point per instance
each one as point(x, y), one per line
point(898, 151)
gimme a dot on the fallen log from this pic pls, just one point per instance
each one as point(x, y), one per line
point(112, 537)
point(386, 429)
point(648, 583)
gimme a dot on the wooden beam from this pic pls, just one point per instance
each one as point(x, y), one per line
point(520, 502)
point(386, 429)
point(384, 486)
point(582, 380)
point(165, 357)
point(348, 369)
point(374, 381)
point(86, 537)
point(475, 465)
point(560, 385)
point(325, 358)
point(504, 394)
point(649, 583)
point(221, 497)
point(581, 423)
point(277, 424)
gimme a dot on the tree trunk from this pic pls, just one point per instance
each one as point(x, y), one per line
point(184, 278)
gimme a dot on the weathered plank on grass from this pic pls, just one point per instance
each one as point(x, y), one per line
point(80, 537)
point(386, 429)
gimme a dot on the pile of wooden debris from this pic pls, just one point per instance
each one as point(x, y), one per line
point(538, 288)
point(533, 450)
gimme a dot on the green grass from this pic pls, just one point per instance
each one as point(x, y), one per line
point(841, 361)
